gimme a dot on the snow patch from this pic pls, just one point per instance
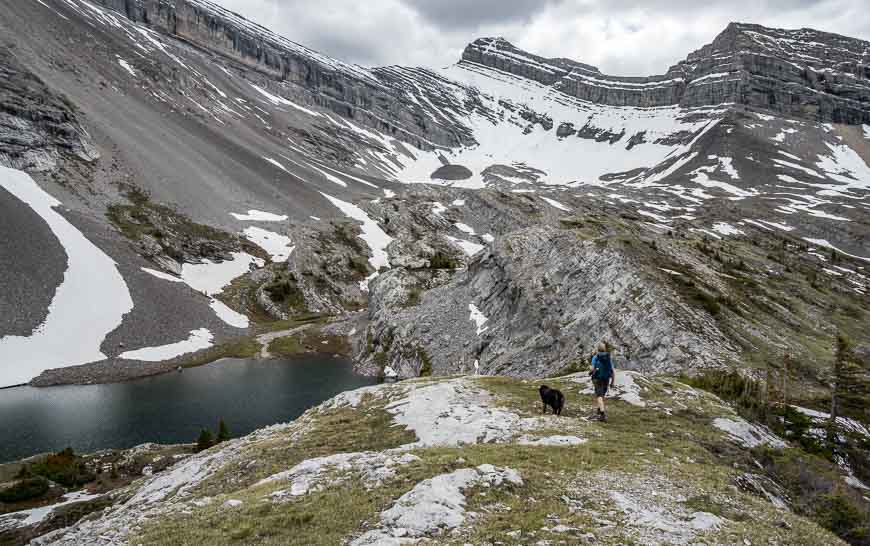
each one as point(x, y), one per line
point(277, 164)
point(281, 101)
point(126, 66)
point(210, 277)
point(726, 229)
point(277, 245)
point(259, 216)
point(33, 516)
point(465, 228)
point(554, 203)
point(478, 318)
point(228, 315)
point(438, 208)
point(467, 246)
point(372, 234)
point(198, 340)
point(826, 244)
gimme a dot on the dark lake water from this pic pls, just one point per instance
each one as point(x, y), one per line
point(169, 408)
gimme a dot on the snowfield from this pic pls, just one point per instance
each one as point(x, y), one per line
point(90, 302)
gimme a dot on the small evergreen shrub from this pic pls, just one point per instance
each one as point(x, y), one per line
point(23, 490)
point(223, 432)
point(205, 440)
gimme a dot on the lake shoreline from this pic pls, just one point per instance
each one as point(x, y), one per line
point(118, 370)
point(172, 408)
point(113, 370)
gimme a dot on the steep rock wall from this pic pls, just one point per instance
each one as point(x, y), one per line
point(802, 73)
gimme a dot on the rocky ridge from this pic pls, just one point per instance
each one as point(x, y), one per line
point(471, 460)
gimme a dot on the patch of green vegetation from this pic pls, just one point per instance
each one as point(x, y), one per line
point(440, 260)
point(343, 430)
point(750, 399)
point(817, 491)
point(292, 322)
point(358, 266)
point(705, 503)
point(381, 358)
point(425, 362)
point(26, 489)
point(243, 347)
point(283, 289)
point(63, 467)
point(573, 367)
point(414, 295)
point(347, 234)
point(286, 346)
point(309, 341)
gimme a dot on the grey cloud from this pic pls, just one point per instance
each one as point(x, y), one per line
point(469, 14)
point(623, 37)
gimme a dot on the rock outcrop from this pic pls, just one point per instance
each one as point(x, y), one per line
point(537, 300)
point(37, 126)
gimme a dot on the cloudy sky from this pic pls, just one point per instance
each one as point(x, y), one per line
point(621, 37)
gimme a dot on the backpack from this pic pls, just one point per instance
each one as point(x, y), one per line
point(603, 367)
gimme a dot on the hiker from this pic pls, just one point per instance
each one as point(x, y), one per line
point(603, 376)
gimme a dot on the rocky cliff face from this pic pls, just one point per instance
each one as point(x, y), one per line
point(37, 126)
point(802, 73)
point(348, 90)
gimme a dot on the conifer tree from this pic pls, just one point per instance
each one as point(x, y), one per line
point(851, 386)
point(223, 432)
point(205, 440)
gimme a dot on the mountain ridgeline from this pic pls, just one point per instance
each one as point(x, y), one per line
point(801, 73)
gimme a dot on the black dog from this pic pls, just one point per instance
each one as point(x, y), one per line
point(553, 398)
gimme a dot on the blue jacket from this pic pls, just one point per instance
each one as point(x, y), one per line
point(602, 367)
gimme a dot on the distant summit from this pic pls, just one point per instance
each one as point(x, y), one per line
point(802, 73)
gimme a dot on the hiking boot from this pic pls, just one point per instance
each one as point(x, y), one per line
point(602, 416)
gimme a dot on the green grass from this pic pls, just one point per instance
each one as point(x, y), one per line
point(266, 326)
point(636, 448)
point(142, 217)
point(311, 340)
point(244, 347)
